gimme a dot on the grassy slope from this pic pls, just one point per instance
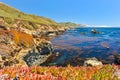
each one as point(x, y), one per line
point(11, 15)
point(70, 24)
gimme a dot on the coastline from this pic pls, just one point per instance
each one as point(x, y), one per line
point(34, 47)
point(100, 47)
point(22, 53)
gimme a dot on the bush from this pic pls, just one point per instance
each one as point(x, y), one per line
point(22, 38)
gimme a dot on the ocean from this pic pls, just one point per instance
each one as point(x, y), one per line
point(75, 45)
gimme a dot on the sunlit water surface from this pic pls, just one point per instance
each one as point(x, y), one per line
point(75, 45)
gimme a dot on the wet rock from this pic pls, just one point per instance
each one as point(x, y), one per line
point(95, 31)
point(117, 58)
point(105, 45)
point(38, 55)
point(57, 53)
point(92, 62)
point(44, 48)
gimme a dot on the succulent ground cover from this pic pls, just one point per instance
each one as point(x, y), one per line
point(58, 73)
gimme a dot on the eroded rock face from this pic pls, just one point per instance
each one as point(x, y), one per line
point(7, 54)
point(12, 54)
point(39, 54)
point(92, 62)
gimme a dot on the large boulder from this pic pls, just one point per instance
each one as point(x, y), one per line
point(38, 55)
point(92, 62)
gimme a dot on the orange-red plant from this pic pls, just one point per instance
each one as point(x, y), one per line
point(57, 73)
point(22, 38)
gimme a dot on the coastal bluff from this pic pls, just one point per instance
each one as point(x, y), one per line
point(24, 38)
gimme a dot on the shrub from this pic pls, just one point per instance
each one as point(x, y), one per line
point(22, 38)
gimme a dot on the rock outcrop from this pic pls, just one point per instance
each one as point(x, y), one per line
point(95, 31)
point(38, 55)
point(25, 56)
point(22, 52)
point(92, 62)
point(20, 37)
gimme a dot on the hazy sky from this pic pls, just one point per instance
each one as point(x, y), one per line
point(91, 12)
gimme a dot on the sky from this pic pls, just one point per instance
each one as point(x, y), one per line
point(90, 12)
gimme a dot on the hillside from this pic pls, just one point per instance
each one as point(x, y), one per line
point(13, 18)
point(22, 37)
point(71, 24)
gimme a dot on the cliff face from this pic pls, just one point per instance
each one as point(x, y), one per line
point(21, 37)
point(19, 48)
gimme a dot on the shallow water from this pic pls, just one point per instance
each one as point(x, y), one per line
point(75, 45)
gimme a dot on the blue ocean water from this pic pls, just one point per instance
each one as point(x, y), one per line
point(77, 44)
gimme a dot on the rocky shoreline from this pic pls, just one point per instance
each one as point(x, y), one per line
point(42, 50)
point(12, 54)
point(60, 58)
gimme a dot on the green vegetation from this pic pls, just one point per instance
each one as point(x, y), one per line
point(12, 16)
point(70, 24)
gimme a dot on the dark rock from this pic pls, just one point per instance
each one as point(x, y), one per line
point(95, 31)
point(16, 78)
point(117, 58)
point(38, 55)
point(105, 45)
point(45, 48)
point(6, 63)
point(3, 27)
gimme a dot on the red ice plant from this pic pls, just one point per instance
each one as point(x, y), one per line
point(58, 73)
